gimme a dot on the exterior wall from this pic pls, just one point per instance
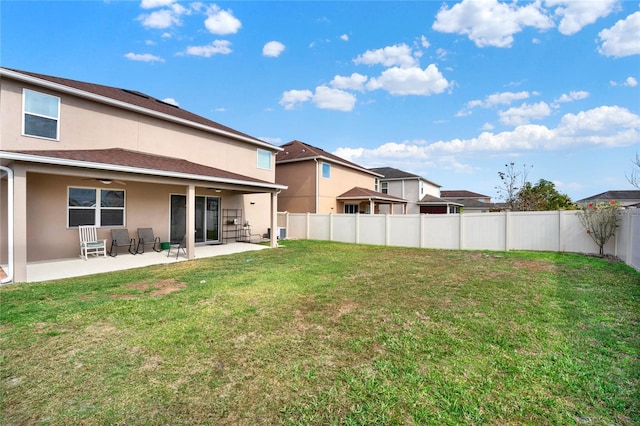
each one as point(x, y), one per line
point(412, 190)
point(342, 179)
point(85, 124)
point(299, 176)
point(4, 256)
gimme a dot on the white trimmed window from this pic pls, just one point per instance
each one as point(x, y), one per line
point(326, 170)
point(385, 187)
point(41, 114)
point(351, 208)
point(376, 184)
point(264, 159)
point(83, 207)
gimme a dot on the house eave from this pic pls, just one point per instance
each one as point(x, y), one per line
point(330, 160)
point(136, 170)
point(123, 105)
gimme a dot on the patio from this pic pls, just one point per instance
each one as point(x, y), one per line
point(67, 268)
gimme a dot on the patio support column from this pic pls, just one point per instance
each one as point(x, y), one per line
point(19, 223)
point(274, 220)
point(191, 222)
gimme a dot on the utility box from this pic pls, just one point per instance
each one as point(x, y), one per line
point(281, 235)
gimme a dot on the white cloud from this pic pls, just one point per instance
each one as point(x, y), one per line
point(503, 98)
point(354, 82)
point(410, 81)
point(630, 82)
point(171, 101)
point(217, 47)
point(621, 39)
point(152, 4)
point(399, 55)
point(143, 57)
point(221, 21)
point(336, 99)
point(424, 42)
point(606, 125)
point(490, 23)
point(160, 19)
point(272, 141)
point(573, 96)
point(524, 114)
point(577, 14)
point(273, 49)
point(344, 37)
point(292, 98)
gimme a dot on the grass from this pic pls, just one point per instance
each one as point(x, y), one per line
point(328, 333)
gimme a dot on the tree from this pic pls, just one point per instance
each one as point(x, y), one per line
point(634, 177)
point(542, 196)
point(601, 221)
point(513, 180)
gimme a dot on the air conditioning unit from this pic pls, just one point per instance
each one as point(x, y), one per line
point(281, 235)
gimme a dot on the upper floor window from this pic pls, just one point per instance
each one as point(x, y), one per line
point(264, 159)
point(385, 187)
point(99, 207)
point(326, 170)
point(41, 114)
point(375, 184)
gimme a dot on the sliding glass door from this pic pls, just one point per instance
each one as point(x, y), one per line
point(207, 218)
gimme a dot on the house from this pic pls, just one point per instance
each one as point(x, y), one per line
point(422, 195)
point(74, 153)
point(626, 198)
point(471, 202)
point(320, 182)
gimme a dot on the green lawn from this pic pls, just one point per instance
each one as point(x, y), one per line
point(328, 333)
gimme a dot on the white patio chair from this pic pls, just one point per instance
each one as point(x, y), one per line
point(89, 243)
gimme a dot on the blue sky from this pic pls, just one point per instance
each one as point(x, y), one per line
point(451, 91)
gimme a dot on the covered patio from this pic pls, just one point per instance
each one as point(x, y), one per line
point(76, 267)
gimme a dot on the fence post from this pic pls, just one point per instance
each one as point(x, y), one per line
point(507, 233)
point(306, 231)
point(560, 232)
point(421, 242)
point(461, 230)
point(386, 229)
point(330, 226)
point(357, 228)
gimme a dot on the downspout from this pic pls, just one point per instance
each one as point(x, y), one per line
point(9, 172)
point(317, 186)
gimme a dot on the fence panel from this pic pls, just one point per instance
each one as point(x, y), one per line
point(373, 229)
point(441, 231)
point(319, 228)
point(534, 231)
point(484, 231)
point(404, 230)
point(344, 228)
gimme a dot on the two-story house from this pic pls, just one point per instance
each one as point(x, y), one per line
point(320, 182)
point(75, 153)
point(422, 195)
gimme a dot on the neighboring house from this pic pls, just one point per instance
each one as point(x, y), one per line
point(320, 182)
point(422, 195)
point(471, 202)
point(626, 198)
point(74, 153)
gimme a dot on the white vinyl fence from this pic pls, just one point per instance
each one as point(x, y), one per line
point(542, 231)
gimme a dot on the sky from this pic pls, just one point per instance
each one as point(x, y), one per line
point(449, 90)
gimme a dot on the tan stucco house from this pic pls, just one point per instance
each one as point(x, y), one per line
point(74, 153)
point(320, 182)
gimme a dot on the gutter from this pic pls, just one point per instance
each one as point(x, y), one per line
point(9, 173)
point(128, 169)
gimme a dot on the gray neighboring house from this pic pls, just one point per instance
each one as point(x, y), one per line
point(423, 195)
point(626, 198)
point(472, 202)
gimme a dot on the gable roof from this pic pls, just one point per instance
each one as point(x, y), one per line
point(123, 160)
point(461, 193)
point(626, 198)
point(358, 193)
point(390, 173)
point(131, 100)
point(433, 200)
point(300, 151)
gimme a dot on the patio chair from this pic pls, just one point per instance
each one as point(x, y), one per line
point(120, 238)
point(89, 243)
point(145, 238)
point(182, 244)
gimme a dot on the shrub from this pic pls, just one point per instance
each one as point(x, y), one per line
point(601, 221)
